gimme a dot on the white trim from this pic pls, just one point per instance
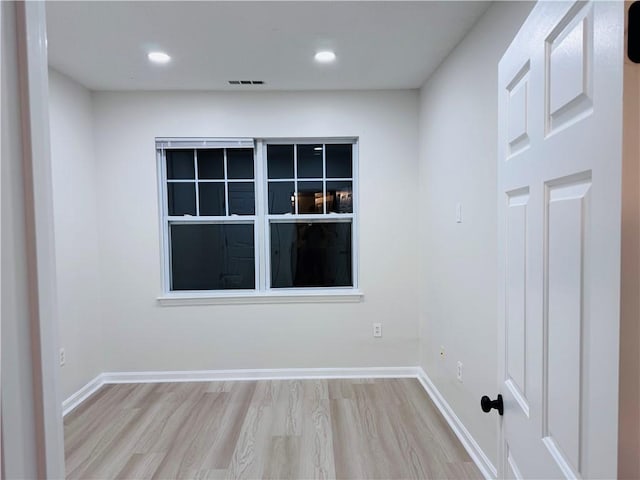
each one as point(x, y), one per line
point(258, 374)
point(481, 460)
point(1, 130)
point(262, 293)
point(306, 140)
point(198, 142)
point(108, 378)
point(346, 295)
point(81, 395)
point(40, 238)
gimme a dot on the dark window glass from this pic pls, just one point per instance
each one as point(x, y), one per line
point(339, 161)
point(310, 161)
point(310, 197)
point(211, 164)
point(281, 199)
point(240, 163)
point(280, 161)
point(211, 199)
point(242, 200)
point(311, 255)
point(212, 257)
point(340, 197)
point(181, 198)
point(180, 165)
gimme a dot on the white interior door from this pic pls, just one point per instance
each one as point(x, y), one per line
point(560, 124)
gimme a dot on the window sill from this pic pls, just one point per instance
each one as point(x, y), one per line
point(281, 297)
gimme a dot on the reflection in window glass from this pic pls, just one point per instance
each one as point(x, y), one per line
point(281, 197)
point(310, 161)
point(241, 198)
point(180, 165)
point(240, 163)
point(339, 161)
point(280, 161)
point(211, 164)
point(340, 197)
point(310, 197)
point(212, 257)
point(311, 254)
point(212, 199)
point(181, 198)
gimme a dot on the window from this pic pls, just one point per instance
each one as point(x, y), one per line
point(258, 215)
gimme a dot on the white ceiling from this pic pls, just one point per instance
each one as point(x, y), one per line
point(379, 45)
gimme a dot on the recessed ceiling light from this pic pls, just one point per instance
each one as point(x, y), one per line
point(159, 57)
point(317, 149)
point(325, 56)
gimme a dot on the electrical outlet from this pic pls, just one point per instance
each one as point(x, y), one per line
point(377, 329)
point(63, 357)
point(459, 372)
point(442, 352)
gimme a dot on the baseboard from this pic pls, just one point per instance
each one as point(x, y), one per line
point(81, 395)
point(259, 374)
point(475, 452)
point(468, 442)
point(237, 374)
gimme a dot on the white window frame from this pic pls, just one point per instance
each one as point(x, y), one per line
point(263, 292)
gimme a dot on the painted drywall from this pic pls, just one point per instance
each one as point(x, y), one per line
point(458, 151)
point(76, 231)
point(141, 335)
point(18, 412)
point(629, 401)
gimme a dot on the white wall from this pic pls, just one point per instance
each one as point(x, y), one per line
point(458, 162)
point(76, 229)
point(140, 335)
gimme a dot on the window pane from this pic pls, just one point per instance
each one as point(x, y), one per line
point(339, 161)
point(181, 198)
point(180, 165)
point(311, 255)
point(340, 197)
point(212, 198)
point(240, 163)
point(280, 161)
point(212, 257)
point(310, 161)
point(281, 198)
point(310, 197)
point(242, 200)
point(211, 164)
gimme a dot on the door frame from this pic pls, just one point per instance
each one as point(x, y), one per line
point(39, 229)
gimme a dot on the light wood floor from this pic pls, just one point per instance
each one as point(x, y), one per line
point(385, 429)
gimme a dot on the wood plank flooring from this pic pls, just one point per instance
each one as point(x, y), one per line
point(298, 429)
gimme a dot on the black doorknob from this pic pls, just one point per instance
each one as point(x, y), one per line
point(487, 404)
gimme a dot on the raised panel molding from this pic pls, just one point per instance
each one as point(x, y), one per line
point(565, 297)
point(517, 117)
point(515, 298)
point(569, 60)
point(513, 472)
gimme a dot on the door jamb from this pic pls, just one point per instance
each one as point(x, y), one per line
point(34, 99)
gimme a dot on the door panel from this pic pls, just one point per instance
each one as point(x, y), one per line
point(560, 118)
point(569, 59)
point(513, 472)
point(566, 279)
point(516, 294)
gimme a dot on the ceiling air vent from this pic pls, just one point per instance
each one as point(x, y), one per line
point(246, 82)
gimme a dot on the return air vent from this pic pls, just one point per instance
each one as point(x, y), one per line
point(246, 82)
